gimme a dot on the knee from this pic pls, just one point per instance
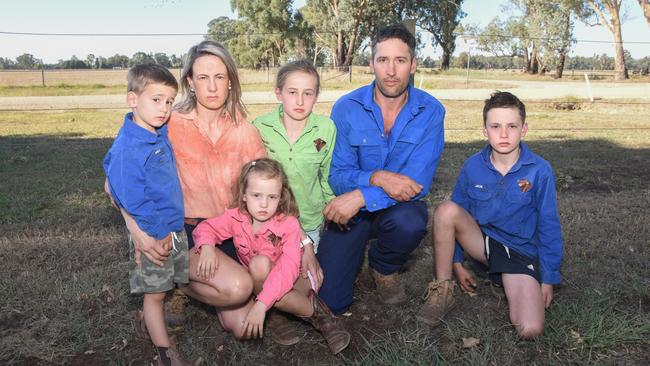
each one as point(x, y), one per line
point(408, 220)
point(529, 330)
point(445, 212)
point(259, 267)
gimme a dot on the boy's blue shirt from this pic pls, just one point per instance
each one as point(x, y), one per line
point(413, 148)
point(141, 171)
point(527, 222)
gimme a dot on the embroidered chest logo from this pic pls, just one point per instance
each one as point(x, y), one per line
point(274, 239)
point(319, 143)
point(479, 186)
point(524, 185)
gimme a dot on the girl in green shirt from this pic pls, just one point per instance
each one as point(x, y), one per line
point(302, 142)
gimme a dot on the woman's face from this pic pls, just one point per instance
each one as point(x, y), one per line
point(209, 81)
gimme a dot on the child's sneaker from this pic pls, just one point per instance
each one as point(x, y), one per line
point(438, 300)
point(324, 321)
point(170, 357)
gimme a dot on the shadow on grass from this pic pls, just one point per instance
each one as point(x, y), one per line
point(65, 273)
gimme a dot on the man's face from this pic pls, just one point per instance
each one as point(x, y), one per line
point(392, 65)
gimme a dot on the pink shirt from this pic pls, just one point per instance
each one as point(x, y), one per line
point(285, 255)
point(208, 172)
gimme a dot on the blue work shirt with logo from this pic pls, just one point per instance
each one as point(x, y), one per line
point(518, 210)
point(141, 172)
point(413, 147)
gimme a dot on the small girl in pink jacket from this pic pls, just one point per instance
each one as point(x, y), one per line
point(266, 233)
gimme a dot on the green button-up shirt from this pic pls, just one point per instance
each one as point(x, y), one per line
point(306, 162)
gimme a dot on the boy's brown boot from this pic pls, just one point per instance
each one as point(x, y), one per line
point(438, 300)
point(283, 332)
point(329, 325)
point(389, 288)
point(170, 357)
point(175, 309)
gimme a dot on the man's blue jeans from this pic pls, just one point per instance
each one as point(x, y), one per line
point(398, 229)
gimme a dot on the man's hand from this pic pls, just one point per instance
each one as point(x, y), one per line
point(342, 208)
point(547, 294)
point(397, 186)
point(310, 263)
point(464, 277)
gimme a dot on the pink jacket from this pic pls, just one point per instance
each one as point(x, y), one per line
point(285, 255)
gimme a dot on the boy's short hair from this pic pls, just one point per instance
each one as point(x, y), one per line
point(397, 31)
point(500, 99)
point(142, 75)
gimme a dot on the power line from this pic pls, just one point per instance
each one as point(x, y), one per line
point(469, 35)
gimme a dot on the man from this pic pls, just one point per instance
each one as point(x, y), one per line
point(388, 145)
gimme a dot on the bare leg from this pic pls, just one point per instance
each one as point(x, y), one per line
point(230, 286)
point(154, 318)
point(450, 223)
point(525, 303)
point(297, 300)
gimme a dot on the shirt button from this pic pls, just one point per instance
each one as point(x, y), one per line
point(374, 205)
point(290, 159)
point(290, 149)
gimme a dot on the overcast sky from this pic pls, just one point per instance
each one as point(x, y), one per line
point(192, 17)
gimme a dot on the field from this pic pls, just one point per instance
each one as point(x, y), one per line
point(64, 258)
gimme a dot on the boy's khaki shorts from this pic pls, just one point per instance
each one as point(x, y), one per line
point(151, 278)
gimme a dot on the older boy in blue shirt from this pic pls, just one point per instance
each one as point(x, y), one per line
point(503, 213)
point(143, 182)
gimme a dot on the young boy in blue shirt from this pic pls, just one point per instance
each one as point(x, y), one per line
point(503, 213)
point(143, 182)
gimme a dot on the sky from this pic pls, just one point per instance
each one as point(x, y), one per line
point(191, 18)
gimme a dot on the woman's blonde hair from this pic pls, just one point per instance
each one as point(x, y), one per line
point(234, 105)
point(269, 169)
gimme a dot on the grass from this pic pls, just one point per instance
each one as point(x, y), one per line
point(65, 290)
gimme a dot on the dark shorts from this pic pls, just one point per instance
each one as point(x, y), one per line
point(228, 246)
point(502, 259)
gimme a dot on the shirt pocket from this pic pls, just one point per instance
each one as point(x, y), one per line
point(480, 203)
point(368, 145)
point(406, 143)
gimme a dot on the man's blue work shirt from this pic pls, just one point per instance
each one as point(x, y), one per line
point(526, 222)
point(141, 172)
point(413, 147)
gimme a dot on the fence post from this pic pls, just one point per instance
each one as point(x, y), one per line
point(589, 92)
point(350, 74)
point(467, 77)
point(42, 74)
point(267, 73)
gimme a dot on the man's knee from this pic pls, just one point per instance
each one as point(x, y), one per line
point(407, 219)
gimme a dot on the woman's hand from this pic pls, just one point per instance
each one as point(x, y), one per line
point(464, 277)
point(253, 325)
point(208, 262)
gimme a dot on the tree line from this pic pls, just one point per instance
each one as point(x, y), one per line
point(535, 35)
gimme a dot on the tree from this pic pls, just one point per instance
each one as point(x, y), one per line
point(140, 58)
point(7, 63)
point(337, 26)
point(607, 13)
point(270, 22)
point(222, 30)
point(440, 18)
point(117, 61)
point(162, 59)
point(90, 61)
point(645, 6)
point(26, 61)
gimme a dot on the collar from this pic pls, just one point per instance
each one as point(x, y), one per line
point(273, 225)
point(367, 98)
point(132, 129)
point(526, 157)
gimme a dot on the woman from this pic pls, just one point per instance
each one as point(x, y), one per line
point(212, 141)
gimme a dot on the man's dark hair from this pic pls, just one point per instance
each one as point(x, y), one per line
point(397, 31)
point(500, 99)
